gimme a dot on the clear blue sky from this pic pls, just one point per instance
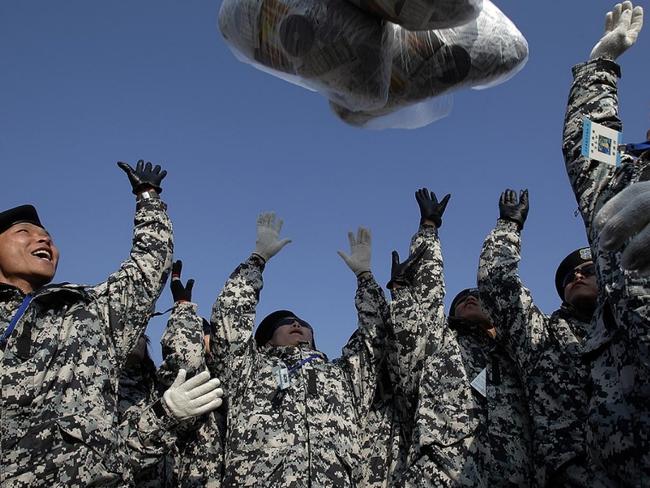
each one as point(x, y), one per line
point(87, 83)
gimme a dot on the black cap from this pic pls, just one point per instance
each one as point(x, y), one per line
point(461, 296)
point(19, 215)
point(568, 264)
point(268, 325)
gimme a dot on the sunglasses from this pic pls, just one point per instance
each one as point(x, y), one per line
point(291, 320)
point(586, 271)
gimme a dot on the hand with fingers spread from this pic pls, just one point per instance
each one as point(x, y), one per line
point(513, 209)
point(624, 222)
point(401, 274)
point(622, 27)
point(144, 177)
point(180, 293)
point(268, 242)
point(359, 258)
point(430, 209)
point(193, 397)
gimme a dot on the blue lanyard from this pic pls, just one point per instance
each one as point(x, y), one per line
point(12, 325)
point(302, 362)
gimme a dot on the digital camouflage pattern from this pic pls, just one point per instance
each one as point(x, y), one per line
point(60, 368)
point(548, 353)
point(309, 434)
point(461, 437)
point(198, 453)
point(618, 347)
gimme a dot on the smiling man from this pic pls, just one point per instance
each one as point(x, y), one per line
point(62, 346)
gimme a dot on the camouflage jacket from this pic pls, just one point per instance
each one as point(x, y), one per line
point(162, 451)
point(60, 367)
point(618, 347)
point(310, 433)
point(546, 349)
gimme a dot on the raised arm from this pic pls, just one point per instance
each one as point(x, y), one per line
point(503, 296)
point(594, 94)
point(233, 314)
point(365, 350)
point(129, 295)
point(182, 341)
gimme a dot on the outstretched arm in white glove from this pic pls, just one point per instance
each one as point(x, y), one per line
point(625, 217)
point(268, 242)
point(193, 397)
point(622, 27)
point(359, 258)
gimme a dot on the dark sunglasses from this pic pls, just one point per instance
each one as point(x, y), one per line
point(291, 320)
point(586, 271)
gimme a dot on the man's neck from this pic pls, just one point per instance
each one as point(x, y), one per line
point(23, 285)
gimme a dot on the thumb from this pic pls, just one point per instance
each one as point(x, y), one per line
point(283, 243)
point(125, 167)
point(344, 257)
point(188, 287)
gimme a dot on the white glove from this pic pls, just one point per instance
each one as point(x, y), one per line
point(622, 27)
point(193, 397)
point(268, 242)
point(627, 216)
point(359, 258)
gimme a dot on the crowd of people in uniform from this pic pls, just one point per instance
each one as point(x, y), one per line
point(493, 393)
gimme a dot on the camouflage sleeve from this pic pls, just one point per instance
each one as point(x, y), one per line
point(129, 295)
point(429, 281)
point(364, 351)
point(503, 296)
point(594, 95)
point(182, 344)
point(233, 320)
point(407, 348)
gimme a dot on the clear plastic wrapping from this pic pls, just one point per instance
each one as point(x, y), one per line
point(423, 14)
point(427, 64)
point(328, 45)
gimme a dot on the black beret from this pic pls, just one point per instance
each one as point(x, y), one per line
point(568, 264)
point(18, 215)
point(268, 325)
point(461, 296)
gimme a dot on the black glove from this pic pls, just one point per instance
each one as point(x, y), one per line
point(179, 292)
point(402, 273)
point(144, 177)
point(430, 208)
point(513, 210)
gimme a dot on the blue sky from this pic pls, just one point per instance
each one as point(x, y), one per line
point(85, 84)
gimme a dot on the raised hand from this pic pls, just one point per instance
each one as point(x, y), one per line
point(359, 258)
point(180, 293)
point(144, 177)
point(512, 208)
point(430, 209)
point(268, 242)
point(401, 274)
point(622, 27)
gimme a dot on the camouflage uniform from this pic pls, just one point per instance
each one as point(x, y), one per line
point(548, 353)
point(198, 451)
point(60, 368)
point(618, 347)
point(461, 437)
point(308, 434)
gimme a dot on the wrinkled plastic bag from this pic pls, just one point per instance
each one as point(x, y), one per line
point(328, 45)
point(423, 14)
point(427, 64)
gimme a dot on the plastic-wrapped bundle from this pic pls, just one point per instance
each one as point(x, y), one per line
point(482, 53)
point(326, 45)
point(423, 14)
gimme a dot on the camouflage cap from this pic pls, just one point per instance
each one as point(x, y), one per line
point(568, 264)
point(19, 215)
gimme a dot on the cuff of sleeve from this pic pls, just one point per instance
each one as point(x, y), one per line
point(427, 230)
point(184, 306)
point(157, 417)
point(508, 225)
point(365, 277)
point(150, 203)
point(257, 260)
point(596, 64)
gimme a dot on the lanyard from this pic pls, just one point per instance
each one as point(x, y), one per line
point(293, 369)
point(12, 325)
